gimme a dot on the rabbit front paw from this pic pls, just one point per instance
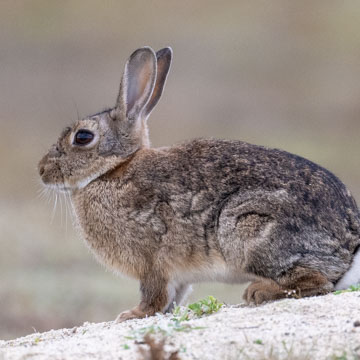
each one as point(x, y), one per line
point(125, 315)
point(134, 313)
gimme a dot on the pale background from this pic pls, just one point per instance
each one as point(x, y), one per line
point(280, 73)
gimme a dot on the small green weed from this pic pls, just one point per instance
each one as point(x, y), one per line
point(258, 342)
point(340, 357)
point(139, 334)
point(166, 330)
point(350, 289)
point(180, 315)
point(178, 323)
point(37, 340)
point(206, 306)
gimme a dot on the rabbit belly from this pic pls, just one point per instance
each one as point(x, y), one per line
point(214, 269)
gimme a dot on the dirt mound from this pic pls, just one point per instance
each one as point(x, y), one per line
point(326, 327)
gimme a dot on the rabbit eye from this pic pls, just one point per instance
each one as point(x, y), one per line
point(83, 137)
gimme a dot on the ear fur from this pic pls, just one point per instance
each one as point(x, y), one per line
point(137, 83)
point(163, 58)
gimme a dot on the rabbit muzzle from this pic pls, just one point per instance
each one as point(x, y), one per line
point(50, 173)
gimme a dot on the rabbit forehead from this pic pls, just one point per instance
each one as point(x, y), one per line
point(91, 123)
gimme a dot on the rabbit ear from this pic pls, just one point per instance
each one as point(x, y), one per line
point(163, 57)
point(137, 83)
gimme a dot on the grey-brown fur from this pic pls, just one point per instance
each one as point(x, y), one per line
point(204, 210)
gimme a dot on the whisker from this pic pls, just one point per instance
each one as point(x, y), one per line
point(61, 209)
point(41, 193)
point(50, 195)
point(57, 194)
point(77, 110)
point(66, 213)
point(66, 208)
point(54, 208)
point(71, 209)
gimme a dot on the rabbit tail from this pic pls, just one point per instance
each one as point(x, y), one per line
point(352, 276)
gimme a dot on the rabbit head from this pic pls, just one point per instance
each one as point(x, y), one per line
point(98, 143)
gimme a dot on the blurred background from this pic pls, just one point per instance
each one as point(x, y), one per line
point(284, 74)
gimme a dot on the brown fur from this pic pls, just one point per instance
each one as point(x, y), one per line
point(205, 210)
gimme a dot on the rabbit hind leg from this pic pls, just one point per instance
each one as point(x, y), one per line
point(299, 282)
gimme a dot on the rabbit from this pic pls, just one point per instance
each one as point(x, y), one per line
point(204, 210)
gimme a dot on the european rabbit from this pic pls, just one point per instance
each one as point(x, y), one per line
point(203, 210)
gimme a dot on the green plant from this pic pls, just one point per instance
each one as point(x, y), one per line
point(206, 306)
point(165, 329)
point(350, 289)
point(180, 314)
point(37, 340)
point(340, 357)
point(178, 323)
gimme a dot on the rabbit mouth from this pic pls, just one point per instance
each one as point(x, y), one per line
point(58, 187)
point(51, 176)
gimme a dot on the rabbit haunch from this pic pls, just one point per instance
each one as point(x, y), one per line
point(203, 210)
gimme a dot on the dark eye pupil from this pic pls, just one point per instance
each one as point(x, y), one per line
point(83, 137)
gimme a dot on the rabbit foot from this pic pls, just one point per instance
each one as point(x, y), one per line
point(262, 291)
point(134, 313)
point(125, 315)
point(300, 282)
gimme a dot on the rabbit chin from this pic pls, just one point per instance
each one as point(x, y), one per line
point(72, 184)
point(80, 183)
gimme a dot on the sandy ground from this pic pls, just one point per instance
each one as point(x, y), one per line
point(314, 328)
